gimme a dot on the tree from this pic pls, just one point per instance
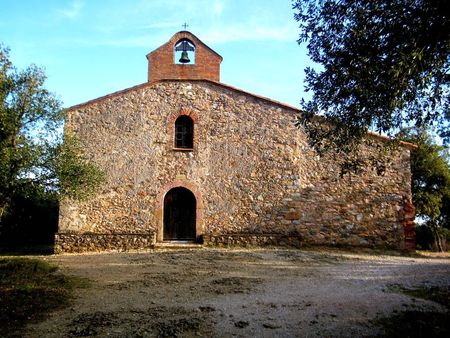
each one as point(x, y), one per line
point(384, 65)
point(430, 184)
point(33, 156)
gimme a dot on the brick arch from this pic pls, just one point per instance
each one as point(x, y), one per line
point(171, 126)
point(183, 111)
point(160, 207)
point(184, 39)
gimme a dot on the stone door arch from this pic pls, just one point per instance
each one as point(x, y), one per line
point(167, 190)
point(179, 215)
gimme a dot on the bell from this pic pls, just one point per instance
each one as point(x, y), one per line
point(184, 57)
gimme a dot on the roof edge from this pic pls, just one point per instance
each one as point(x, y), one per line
point(151, 84)
point(189, 33)
point(406, 144)
point(108, 96)
point(409, 145)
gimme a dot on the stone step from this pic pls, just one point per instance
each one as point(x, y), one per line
point(178, 245)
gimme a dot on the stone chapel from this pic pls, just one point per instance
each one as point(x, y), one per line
point(189, 159)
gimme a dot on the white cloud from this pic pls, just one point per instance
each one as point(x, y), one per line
point(73, 11)
point(211, 37)
point(137, 41)
point(287, 32)
point(218, 7)
point(148, 24)
point(161, 24)
point(149, 41)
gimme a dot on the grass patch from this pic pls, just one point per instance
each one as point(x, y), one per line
point(413, 323)
point(29, 290)
point(375, 251)
point(435, 294)
point(440, 295)
point(27, 250)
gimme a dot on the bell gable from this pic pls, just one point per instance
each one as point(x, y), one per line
point(184, 56)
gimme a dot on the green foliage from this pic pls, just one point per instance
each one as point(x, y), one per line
point(31, 222)
point(384, 65)
point(430, 184)
point(430, 175)
point(33, 157)
point(29, 114)
point(77, 178)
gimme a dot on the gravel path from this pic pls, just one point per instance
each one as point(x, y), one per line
point(241, 293)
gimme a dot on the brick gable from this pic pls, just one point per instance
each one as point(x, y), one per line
point(162, 66)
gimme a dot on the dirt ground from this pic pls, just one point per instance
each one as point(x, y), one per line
point(239, 293)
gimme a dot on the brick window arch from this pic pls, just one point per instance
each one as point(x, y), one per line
point(184, 133)
point(171, 128)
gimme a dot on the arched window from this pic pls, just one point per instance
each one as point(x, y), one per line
point(184, 132)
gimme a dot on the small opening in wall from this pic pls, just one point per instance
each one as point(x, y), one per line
point(184, 52)
point(184, 132)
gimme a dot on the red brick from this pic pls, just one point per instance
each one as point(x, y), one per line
point(162, 66)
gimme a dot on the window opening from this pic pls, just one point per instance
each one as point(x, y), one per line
point(184, 132)
point(184, 52)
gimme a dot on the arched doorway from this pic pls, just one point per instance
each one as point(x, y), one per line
point(179, 215)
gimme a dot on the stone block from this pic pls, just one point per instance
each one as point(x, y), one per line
point(293, 215)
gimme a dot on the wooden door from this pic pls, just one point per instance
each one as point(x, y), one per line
point(179, 215)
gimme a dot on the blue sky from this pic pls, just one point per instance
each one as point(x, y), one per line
point(91, 48)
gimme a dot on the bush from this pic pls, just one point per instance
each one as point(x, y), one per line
point(31, 221)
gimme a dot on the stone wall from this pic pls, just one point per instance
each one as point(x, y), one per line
point(254, 240)
point(68, 242)
point(251, 169)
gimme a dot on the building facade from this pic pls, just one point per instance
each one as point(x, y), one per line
point(190, 159)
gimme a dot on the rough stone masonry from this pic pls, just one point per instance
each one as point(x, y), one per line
point(254, 178)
